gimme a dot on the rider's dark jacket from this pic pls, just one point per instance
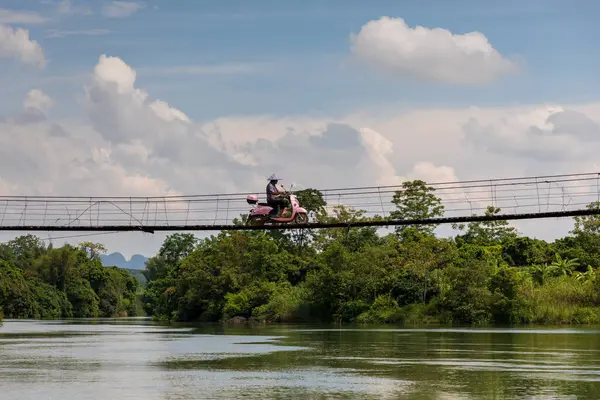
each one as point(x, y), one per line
point(271, 190)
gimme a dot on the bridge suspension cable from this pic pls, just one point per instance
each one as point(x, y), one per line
point(550, 196)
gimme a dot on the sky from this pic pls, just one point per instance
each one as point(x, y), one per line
point(103, 98)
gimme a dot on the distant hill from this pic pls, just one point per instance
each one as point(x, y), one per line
point(137, 261)
point(137, 274)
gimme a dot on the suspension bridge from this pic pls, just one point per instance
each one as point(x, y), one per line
point(552, 196)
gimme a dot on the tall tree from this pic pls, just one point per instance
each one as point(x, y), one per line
point(312, 200)
point(177, 246)
point(487, 233)
point(24, 249)
point(416, 201)
point(93, 250)
point(583, 242)
point(174, 249)
point(588, 223)
point(314, 203)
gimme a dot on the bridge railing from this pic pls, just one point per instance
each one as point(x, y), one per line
point(528, 195)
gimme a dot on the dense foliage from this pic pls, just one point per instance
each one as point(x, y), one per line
point(38, 281)
point(488, 273)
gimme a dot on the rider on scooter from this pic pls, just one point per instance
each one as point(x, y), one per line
point(274, 198)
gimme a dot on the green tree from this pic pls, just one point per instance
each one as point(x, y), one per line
point(354, 237)
point(312, 200)
point(65, 282)
point(177, 247)
point(174, 249)
point(588, 223)
point(487, 233)
point(416, 201)
point(92, 249)
point(524, 251)
point(562, 266)
point(23, 250)
point(425, 255)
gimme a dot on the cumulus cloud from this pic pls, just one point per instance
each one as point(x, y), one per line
point(548, 134)
point(35, 107)
point(177, 149)
point(15, 43)
point(121, 9)
point(427, 54)
point(136, 138)
point(38, 100)
point(151, 137)
point(189, 155)
point(379, 148)
point(314, 158)
point(78, 161)
point(132, 114)
point(429, 172)
point(136, 145)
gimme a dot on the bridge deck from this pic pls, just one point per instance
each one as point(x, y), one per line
point(518, 198)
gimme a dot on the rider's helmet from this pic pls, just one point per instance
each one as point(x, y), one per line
point(273, 179)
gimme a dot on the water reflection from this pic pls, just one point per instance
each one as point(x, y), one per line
point(139, 359)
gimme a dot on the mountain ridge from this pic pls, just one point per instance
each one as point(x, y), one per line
point(116, 259)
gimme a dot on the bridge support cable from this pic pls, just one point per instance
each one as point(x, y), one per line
point(346, 225)
point(518, 198)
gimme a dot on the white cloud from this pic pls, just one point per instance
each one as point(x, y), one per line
point(35, 107)
point(113, 71)
point(38, 100)
point(121, 9)
point(20, 17)
point(549, 134)
point(15, 43)
point(39, 162)
point(379, 149)
point(427, 54)
point(429, 172)
point(178, 150)
point(137, 145)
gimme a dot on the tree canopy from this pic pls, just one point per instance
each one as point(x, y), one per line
point(38, 281)
point(487, 273)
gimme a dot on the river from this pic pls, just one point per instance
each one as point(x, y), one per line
point(138, 359)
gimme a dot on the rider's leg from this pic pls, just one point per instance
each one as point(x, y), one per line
point(282, 205)
point(288, 205)
point(274, 206)
point(277, 205)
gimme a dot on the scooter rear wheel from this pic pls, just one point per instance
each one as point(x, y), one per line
point(255, 221)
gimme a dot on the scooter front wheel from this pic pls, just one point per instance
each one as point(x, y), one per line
point(301, 219)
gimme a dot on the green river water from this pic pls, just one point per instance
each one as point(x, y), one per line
point(139, 359)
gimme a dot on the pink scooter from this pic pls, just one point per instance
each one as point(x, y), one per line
point(263, 213)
